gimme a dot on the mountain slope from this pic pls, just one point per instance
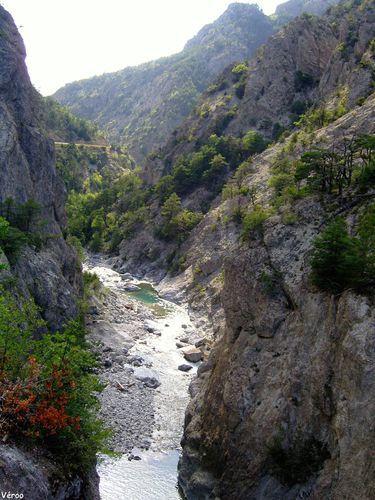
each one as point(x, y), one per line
point(310, 64)
point(140, 106)
point(294, 72)
point(293, 8)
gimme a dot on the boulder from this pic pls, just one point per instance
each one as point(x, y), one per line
point(192, 354)
point(147, 376)
point(185, 368)
point(200, 342)
point(93, 310)
point(131, 288)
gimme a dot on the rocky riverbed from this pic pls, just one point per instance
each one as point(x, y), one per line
point(143, 344)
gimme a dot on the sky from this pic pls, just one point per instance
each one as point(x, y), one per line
point(74, 39)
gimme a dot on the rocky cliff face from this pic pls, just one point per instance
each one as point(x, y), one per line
point(312, 62)
point(140, 106)
point(27, 171)
point(289, 363)
point(51, 274)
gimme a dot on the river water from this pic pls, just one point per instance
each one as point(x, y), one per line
point(154, 477)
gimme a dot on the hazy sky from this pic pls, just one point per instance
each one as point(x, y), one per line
point(74, 39)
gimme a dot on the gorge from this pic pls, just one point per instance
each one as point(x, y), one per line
point(242, 251)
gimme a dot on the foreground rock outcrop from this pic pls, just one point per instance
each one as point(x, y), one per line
point(290, 361)
point(29, 472)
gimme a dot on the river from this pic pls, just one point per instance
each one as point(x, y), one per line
point(153, 474)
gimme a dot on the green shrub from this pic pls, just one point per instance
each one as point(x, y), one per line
point(277, 131)
point(24, 226)
point(268, 282)
point(240, 88)
point(289, 218)
point(47, 386)
point(281, 181)
point(298, 107)
point(340, 261)
point(252, 223)
point(222, 121)
point(11, 240)
point(91, 284)
point(366, 178)
point(77, 245)
point(329, 263)
point(239, 70)
point(302, 81)
point(253, 142)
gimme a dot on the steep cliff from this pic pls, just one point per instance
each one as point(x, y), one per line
point(282, 408)
point(27, 172)
point(38, 262)
point(290, 80)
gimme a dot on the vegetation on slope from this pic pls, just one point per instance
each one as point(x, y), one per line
point(106, 212)
point(341, 261)
point(46, 384)
point(62, 125)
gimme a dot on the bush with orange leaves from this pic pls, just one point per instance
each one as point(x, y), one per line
point(47, 389)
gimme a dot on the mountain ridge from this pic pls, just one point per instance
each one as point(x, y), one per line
point(139, 106)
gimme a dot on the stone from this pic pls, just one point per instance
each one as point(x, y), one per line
point(126, 276)
point(180, 344)
point(147, 376)
point(93, 310)
point(118, 358)
point(200, 342)
point(132, 288)
point(192, 354)
point(135, 360)
point(185, 368)
point(108, 363)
